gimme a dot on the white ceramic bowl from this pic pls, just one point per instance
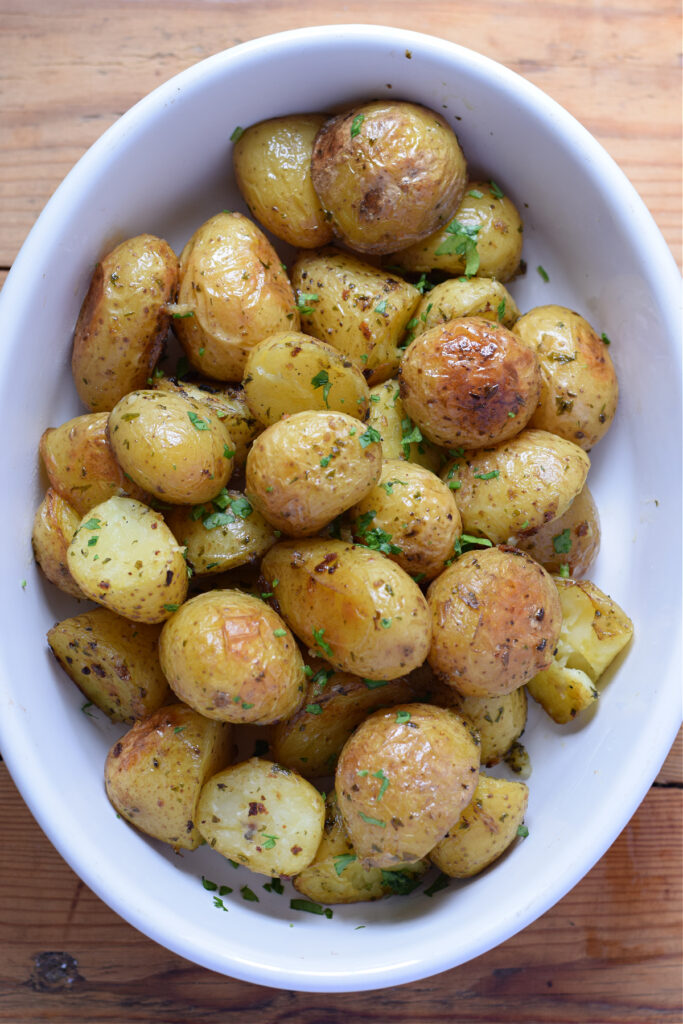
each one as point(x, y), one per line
point(165, 167)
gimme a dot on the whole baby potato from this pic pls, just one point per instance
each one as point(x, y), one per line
point(515, 487)
point(233, 292)
point(222, 536)
point(389, 174)
point(123, 556)
point(230, 657)
point(579, 389)
point(498, 720)
point(484, 238)
point(469, 383)
point(54, 525)
point(411, 516)
point(465, 296)
point(272, 163)
point(496, 621)
point(292, 372)
point(123, 320)
point(401, 439)
point(571, 540)
point(305, 470)
point(359, 610)
point(403, 779)
point(170, 446)
point(155, 773)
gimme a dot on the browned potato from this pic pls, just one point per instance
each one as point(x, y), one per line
point(359, 610)
point(485, 829)
point(463, 296)
point(272, 162)
point(484, 238)
point(402, 780)
point(389, 173)
point(401, 439)
point(114, 662)
point(54, 525)
point(123, 320)
point(263, 815)
point(308, 468)
point(469, 383)
point(579, 389)
point(356, 307)
point(230, 657)
point(81, 465)
point(499, 720)
point(496, 620)
point(171, 446)
point(233, 293)
point(154, 774)
point(411, 516)
point(221, 535)
point(572, 540)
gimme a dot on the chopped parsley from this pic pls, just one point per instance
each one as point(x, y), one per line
point(342, 861)
point(303, 300)
point(228, 453)
point(314, 709)
point(475, 193)
point(270, 841)
point(604, 339)
point(309, 907)
point(522, 831)
point(562, 542)
point(274, 885)
point(197, 422)
point(384, 780)
point(237, 134)
point(171, 607)
point(92, 524)
point(496, 190)
point(492, 475)
point(322, 380)
point(371, 436)
point(400, 882)
point(373, 684)
point(410, 434)
point(462, 241)
point(442, 882)
point(381, 307)
point(248, 894)
point(355, 124)
point(385, 623)
point(372, 821)
point(402, 717)
point(388, 485)
point(542, 273)
point(279, 632)
point(564, 571)
point(500, 312)
point(322, 644)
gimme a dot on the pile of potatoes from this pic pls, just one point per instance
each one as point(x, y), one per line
point(357, 520)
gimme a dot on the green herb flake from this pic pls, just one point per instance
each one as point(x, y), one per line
point(248, 894)
point(303, 300)
point(423, 285)
point(322, 644)
point(385, 623)
point(208, 884)
point(325, 461)
point(242, 507)
point(372, 821)
point(371, 436)
point(314, 709)
point(384, 780)
point(274, 885)
point(171, 607)
point(388, 485)
point(270, 841)
point(492, 475)
point(85, 708)
point(279, 632)
point(462, 241)
point(219, 904)
point(228, 453)
point(564, 571)
point(92, 524)
point(24, 584)
point(322, 380)
point(401, 883)
point(562, 542)
point(224, 890)
point(309, 907)
point(475, 193)
point(197, 422)
point(522, 831)
point(179, 728)
point(374, 684)
point(381, 307)
point(542, 273)
point(496, 191)
point(321, 679)
point(500, 312)
point(342, 861)
point(604, 339)
point(92, 542)
point(402, 717)
point(237, 134)
point(355, 124)
point(442, 882)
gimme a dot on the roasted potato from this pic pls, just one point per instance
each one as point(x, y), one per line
point(171, 446)
point(54, 525)
point(230, 657)
point(401, 439)
point(572, 540)
point(263, 815)
point(579, 390)
point(272, 162)
point(233, 292)
point(113, 661)
point(465, 296)
point(496, 620)
point(486, 828)
point(123, 321)
point(499, 720)
point(358, 609)
point(356, 307)
point(403, 779)
point(222, 534)
point(154, 774)
point(308, 468)
point(124, 556)
point(469, 383)
point(389, 173)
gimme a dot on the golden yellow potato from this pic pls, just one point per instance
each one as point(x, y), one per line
point(172, 447)
point(308, 468)
point(81, 465)
point(358, 609)
point(356, 307)
point(54, 525)
point(401, 438)
point(154, 774)
point(233, 293)
point(484, 238)
point(499, 720)
point(485, 829)
point(123, 556)
point(272, 163)
point(410, 515)
point(113, 661)
point(496, 620)
point(292, 372)
point(402, 780)
point(222, 534)
point(572, 540)
point(512, 489)
point(231, 657)
point(579, 389)
point(389, 173)
point(469, 383)
point(461, 296)
point(123, 321)
point(263, 815)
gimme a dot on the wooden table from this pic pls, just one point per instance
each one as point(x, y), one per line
point(611, 950)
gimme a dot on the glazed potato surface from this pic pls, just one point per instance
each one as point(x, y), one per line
point(401, 439)
point(572, 540)
point(462, 296)
point(221, 535)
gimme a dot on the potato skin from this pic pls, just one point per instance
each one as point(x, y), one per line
point(272, 163)
point(389, 173)
point(579, 389)
point(403, 779)
point(216, 540)
point(308, 468)
point(229, 656)
point(358, 609)
point(474, 296)
point(388, 416)
point(154, 774)
point(554, 547)
point(496, 621)
point(123, 320)
point(469, 383)
point(113, 661)
point(54, 525)
point(171, 447)
point(499, 720)
point(233, 293)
